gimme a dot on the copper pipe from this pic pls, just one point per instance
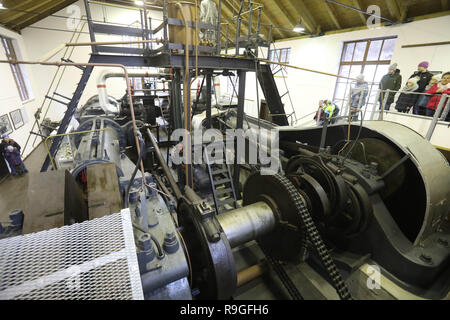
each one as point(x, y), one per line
point(73, 64)
point(83, 44)
point(250, 274)
point(186, 92)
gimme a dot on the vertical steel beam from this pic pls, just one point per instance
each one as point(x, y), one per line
point(239, 125)
point(208, 98)
point(90, 24)
point(219, 29)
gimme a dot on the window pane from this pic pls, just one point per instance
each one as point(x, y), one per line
point(369, 72)
point(374, 50)
point(288, 55)
point(388, 49)
point(340, 90)
point(373, 94)
point(360, 51)
point(345, 71)
point(348, 52)
point(283, 55)
point(355, 71)
point(381, 71)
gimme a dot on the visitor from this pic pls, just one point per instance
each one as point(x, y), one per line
point(391, 81)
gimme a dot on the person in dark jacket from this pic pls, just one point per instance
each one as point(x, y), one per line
point(424, 79)
point(391, 81)
point(8, 142)
point(424, 76)
point(407, 99)
point(12, 155)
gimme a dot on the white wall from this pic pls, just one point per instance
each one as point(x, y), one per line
point(9, 94)
point(40, 42)
point(323, 54)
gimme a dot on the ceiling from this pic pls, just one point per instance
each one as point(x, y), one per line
point(318, 16)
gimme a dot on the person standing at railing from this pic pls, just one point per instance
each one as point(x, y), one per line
point(421, 104)
point(437, 91)
point(424, 79)
point(407, 99)
point(391, 81)
point(359, 96)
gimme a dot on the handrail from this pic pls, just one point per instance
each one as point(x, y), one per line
point(51, 85)
point(63, 135)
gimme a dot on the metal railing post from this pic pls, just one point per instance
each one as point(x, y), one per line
point(436, 117)
point(446, 110)
point(374, 109)
point(383, 105)
point(219, 29)
point(258, 30)
point(166, 26)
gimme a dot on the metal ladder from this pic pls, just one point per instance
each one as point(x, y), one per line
point(221, 179)
point(50, 97)
point(71, 108)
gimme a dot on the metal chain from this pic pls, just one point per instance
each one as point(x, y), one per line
point(284, 278)
point(314, 236)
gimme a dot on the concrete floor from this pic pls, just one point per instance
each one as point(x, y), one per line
point(13, 190)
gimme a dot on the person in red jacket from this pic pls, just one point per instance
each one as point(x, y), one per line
point(437, 91)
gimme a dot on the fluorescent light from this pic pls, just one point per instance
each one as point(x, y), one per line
point(2, 7)
point(299, 28)
point(139, 3)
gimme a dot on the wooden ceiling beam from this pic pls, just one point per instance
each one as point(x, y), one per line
point(332, 13)
point(265, 19)
point(402, 6)
point(231, 9)
point(286, 14)
point(35, 5)
point(307, 18)
point(357, 5)
point(393, 9)
point(11, 6)
point(35, 18)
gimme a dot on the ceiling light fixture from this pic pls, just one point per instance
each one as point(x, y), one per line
point(299, 28)
point(139, 3)
point(2, 7)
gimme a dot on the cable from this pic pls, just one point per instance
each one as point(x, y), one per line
point(187, 256)
point(127, 192)
point(161, 253)
point(356, 140)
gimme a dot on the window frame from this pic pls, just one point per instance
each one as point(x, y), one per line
point(16, 69)
point(363, 63)
point(278, 52)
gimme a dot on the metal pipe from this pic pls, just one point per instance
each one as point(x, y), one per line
point(248, 223)
point(164, 166)
point(250, 274)
point(436, 117)
point(73, 64)
point(101, 86)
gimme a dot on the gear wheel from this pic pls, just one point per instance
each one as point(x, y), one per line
point(279, 193)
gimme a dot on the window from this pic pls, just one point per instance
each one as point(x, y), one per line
point(18, 72)
point(279, 55)
point(370, 57)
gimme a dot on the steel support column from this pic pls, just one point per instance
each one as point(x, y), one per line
point(240, 124)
